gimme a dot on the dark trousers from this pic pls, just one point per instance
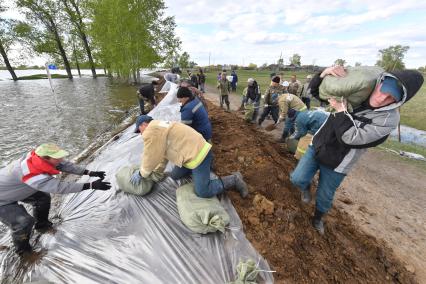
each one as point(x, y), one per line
point(307, 102)
point(17, 219)
point(225, 99)
point(273, 110)
point(142, 106)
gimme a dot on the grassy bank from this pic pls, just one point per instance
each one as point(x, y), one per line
point(54, 76)
point(413, 113)
point(396, 146)
point(41, 76)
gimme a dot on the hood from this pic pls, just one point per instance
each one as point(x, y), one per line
point(410, 80)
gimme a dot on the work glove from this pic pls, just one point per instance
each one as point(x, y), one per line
point(99, 174)
point(97, 185)
point(136, 178)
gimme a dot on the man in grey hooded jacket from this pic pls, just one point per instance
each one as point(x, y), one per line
point(344, 137)
point(31, 179)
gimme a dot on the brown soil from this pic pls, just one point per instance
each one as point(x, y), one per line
point(278, 225)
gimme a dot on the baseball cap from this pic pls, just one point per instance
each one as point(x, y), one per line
point(51, 150)
point(141, 119)
point(390, 86)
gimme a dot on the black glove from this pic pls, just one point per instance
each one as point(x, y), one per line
point(97, 185)
point(99, 174)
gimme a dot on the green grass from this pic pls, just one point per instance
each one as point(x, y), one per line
point(41, 76)
point(262, 78)
point(413, 113)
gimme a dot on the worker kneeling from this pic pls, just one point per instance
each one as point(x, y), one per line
point(188, 150)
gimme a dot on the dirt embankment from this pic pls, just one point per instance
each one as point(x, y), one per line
point(280, 230)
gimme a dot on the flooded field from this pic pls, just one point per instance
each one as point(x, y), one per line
point(72, 116)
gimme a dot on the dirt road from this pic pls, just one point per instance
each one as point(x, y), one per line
point(385, 197)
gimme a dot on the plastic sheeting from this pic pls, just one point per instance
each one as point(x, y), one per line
point(113, 237)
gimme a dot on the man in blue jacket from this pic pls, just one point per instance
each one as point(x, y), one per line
point(193, 113)
point(306, 121)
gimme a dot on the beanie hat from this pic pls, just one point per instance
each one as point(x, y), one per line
point(184, 92)
point(276, 79)
point(390, 86)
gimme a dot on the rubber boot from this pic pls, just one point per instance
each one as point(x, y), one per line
point(23, 247)
point(43, 227)
point(317, 222)
point(235, 182)
point(306, 195)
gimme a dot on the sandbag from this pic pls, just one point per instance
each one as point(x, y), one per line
point(303, 145)
point(247, 272)
point(292, 145)
point(200, 215)
point(356, 86)
point(248, 113)
point(123, 181)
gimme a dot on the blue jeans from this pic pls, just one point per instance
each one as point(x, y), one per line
point(329, 180)
point(204, 186)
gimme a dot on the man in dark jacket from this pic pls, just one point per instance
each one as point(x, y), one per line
point(193, 113)
point(30, 180)
point(146, 97)
point(271, 100)
point(251, 98)
point(234, 81)
point(344, 137)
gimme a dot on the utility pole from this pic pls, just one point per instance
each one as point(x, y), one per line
point(209, 57)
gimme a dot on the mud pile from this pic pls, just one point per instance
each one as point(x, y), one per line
point(278, 225)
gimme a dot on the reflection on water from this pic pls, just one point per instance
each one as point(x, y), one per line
point(86, 108)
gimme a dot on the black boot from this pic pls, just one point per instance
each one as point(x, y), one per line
point(22, 246)
point(317, 222)
point(236, 182)
point(43, 227)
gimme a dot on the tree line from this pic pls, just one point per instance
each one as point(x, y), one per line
point(122, 36)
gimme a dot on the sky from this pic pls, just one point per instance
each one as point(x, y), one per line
point(320, 31)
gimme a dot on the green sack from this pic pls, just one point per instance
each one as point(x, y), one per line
point(356, 86)
point(249, 111)
point(246, 272)
point(292, 145)
point(200, 215)
point(123, 181)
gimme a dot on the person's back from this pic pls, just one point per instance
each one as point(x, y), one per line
point(195, 115)
point(273, 94)
point(308, 122)
point(175, 141)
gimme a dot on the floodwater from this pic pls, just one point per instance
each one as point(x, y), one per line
point(410, 135)
point(73, 116)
